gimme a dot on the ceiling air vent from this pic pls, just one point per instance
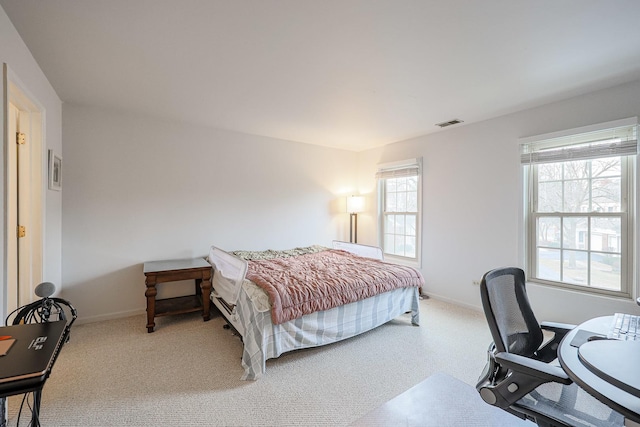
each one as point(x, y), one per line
point(449, 123)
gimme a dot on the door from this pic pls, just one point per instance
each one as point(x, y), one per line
point(24, 199)
point(12, 211)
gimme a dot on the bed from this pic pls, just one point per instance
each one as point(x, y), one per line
point(286, 313)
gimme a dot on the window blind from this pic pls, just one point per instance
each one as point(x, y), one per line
point(398, 170)
point(621, 139)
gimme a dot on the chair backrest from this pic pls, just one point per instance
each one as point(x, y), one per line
point(513, 325)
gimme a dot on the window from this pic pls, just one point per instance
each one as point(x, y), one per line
point(580, 198)
point(399, 201)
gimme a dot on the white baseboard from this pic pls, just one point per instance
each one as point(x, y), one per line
point(454, 302)
point(110, 316)
point(121, 314)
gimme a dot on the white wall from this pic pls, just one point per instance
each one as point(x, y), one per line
point(138, 189)
point(472, 199)
point(31, 79)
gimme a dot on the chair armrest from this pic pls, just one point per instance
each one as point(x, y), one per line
point(516, 376)
point(557, 328)
point(532, 368)
point(549, 351)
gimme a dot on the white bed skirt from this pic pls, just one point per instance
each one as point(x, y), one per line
point(263, 340)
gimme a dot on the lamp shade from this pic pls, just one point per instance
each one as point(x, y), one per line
point(355, 204)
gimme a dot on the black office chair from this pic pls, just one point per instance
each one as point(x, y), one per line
point(519, 376)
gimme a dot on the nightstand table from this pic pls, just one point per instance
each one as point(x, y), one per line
point(170, 271)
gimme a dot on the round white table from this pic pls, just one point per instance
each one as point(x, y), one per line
point(595, 368)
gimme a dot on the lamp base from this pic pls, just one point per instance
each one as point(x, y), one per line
point(353, 228)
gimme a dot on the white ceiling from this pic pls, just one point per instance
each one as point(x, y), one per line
point(353, 74)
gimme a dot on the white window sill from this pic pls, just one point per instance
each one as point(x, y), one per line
point(409, 262)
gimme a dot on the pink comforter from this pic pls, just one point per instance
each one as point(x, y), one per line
point(308, 283)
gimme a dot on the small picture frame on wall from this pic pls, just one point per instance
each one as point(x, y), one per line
point(55, 171)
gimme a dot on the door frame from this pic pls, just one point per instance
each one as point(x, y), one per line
point(31, 120)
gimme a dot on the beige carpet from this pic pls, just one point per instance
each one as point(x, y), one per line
point(187, 372)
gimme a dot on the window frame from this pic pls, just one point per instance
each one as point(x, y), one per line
point(627, 215)
point(626, 226)
point(390, 168)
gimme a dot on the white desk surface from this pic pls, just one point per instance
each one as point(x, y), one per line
point(626, 403)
